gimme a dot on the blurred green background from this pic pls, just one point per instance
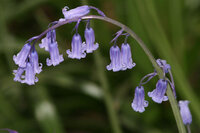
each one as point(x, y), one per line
point(74, 96)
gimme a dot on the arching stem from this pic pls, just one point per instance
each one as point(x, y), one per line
point(159, 71)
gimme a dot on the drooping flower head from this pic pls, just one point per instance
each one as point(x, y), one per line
point(30, 78)
point(163, 64)
point(139, 103)
point(34, 60)
point(127, 62)
point(158, 94)
point(21, 57)
point(115, 57)
point(77, 48)
point(185, 112)
point(55, 57)
point(90, 40)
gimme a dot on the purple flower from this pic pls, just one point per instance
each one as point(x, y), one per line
point(90, 39)
point(55, 58)
point(77, 51)
point(115, 57)
point(185, 112)
point(9, 130)
point(139, 103)
point(158, 94)
point(76, 12)
point(34, 60)
point(127, 62)
point(21, 57)
point(50, 37)
point(163, 64)
point(18, 74)
point(30, 78)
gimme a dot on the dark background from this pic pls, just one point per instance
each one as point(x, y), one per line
point(70, 97)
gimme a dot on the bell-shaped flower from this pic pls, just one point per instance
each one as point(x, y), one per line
point(127, 62)
point(90, 40)
point(158, 94)
point(115, 57)
point(34, 60)
point(30, 78)
point(21, 57)
point(139, 103)
point(77, 48)
point(18, 74)
point(55, 57)
point(163, 64)
point(185, 112)
point(50, 37)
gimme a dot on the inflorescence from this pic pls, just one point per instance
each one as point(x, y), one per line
point(121, 59)
point(28, 61)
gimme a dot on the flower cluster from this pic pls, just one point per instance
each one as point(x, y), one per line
point(27, 58)
point(79, 48)
point(28, 61)
point(120, 59)
point(158, 94)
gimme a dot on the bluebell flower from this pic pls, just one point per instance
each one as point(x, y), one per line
point(50, 37)
point(34, 60)
point(127, 62)
point(77, 48)
point(22, 56)
point(139, 103)
point(158, 94)
point(30, 78)
point(90, 39)
point(163, 64)
point(115, 57)
point(55, 57)
point(18, 74)
point(185, 112)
